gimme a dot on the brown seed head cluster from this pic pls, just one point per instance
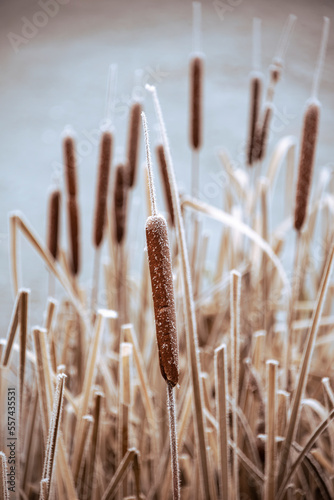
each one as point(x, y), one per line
point(163, 296)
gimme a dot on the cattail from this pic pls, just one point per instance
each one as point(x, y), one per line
point(256, 81)
point(309, 137)
point(196, 91)
point(53, 229)
point(263, 132)
point(255, 105)
point(72, 205)
point(102, 187)
point(120, 202)
point(70, 166)
point(165, 180)
point(133, 142)
point(306, 160)
point(74, 230)
point(163, 296)
point(160, 265)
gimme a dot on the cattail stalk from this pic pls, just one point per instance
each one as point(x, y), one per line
point(83, 440)
point(50, 311)
point(54, 430)
point(270, 487)
point(14, 321)
point(22, 224)
point(119, 475)
point(125, 400)
point(13, 252)
point(23, 342)
point(3, 475)
point(221, 387)
point(307, 447)
point(144, 386)
point(191, 331)
point(45, 388)
point(160, 265)
point(235, 352)
point(304, 367)
point(87, 384)
point(94, 447)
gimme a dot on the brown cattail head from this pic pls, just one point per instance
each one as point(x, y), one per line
point(160, 265)
point(306, 160)
point(275, 70)
point(196, 104)
point(262, 133)
point(70, 165)
point(255, 105)
point(120, 201)
point(53, 228)
point(74, 230)
point(133, 141)
point(102, 187)
point(165, 180)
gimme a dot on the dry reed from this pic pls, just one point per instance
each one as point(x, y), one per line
point(3, 474)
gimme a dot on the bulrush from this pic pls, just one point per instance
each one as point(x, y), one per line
point(133, 142)
point(120, 202)
point(309, 139)
point(53, 225)
point(72, 204)
point(256, 83)
point(160, 265)
point(196, 91)
point(102, 187)
point(306, 160)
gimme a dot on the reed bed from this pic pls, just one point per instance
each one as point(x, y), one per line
point(202, 379)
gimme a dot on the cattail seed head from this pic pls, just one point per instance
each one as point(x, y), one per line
point(165, 180)
point(53, 228)
point(70, 165)
point(102, 187)
point(275, 70)
point(163, 296)
point(306, 160)
point(263, 132)
point(120, 202)
point(74, 230)
point(255, 105)
point(133, 141)
point(196, 91)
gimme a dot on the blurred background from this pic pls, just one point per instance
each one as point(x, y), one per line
point(54, 58)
